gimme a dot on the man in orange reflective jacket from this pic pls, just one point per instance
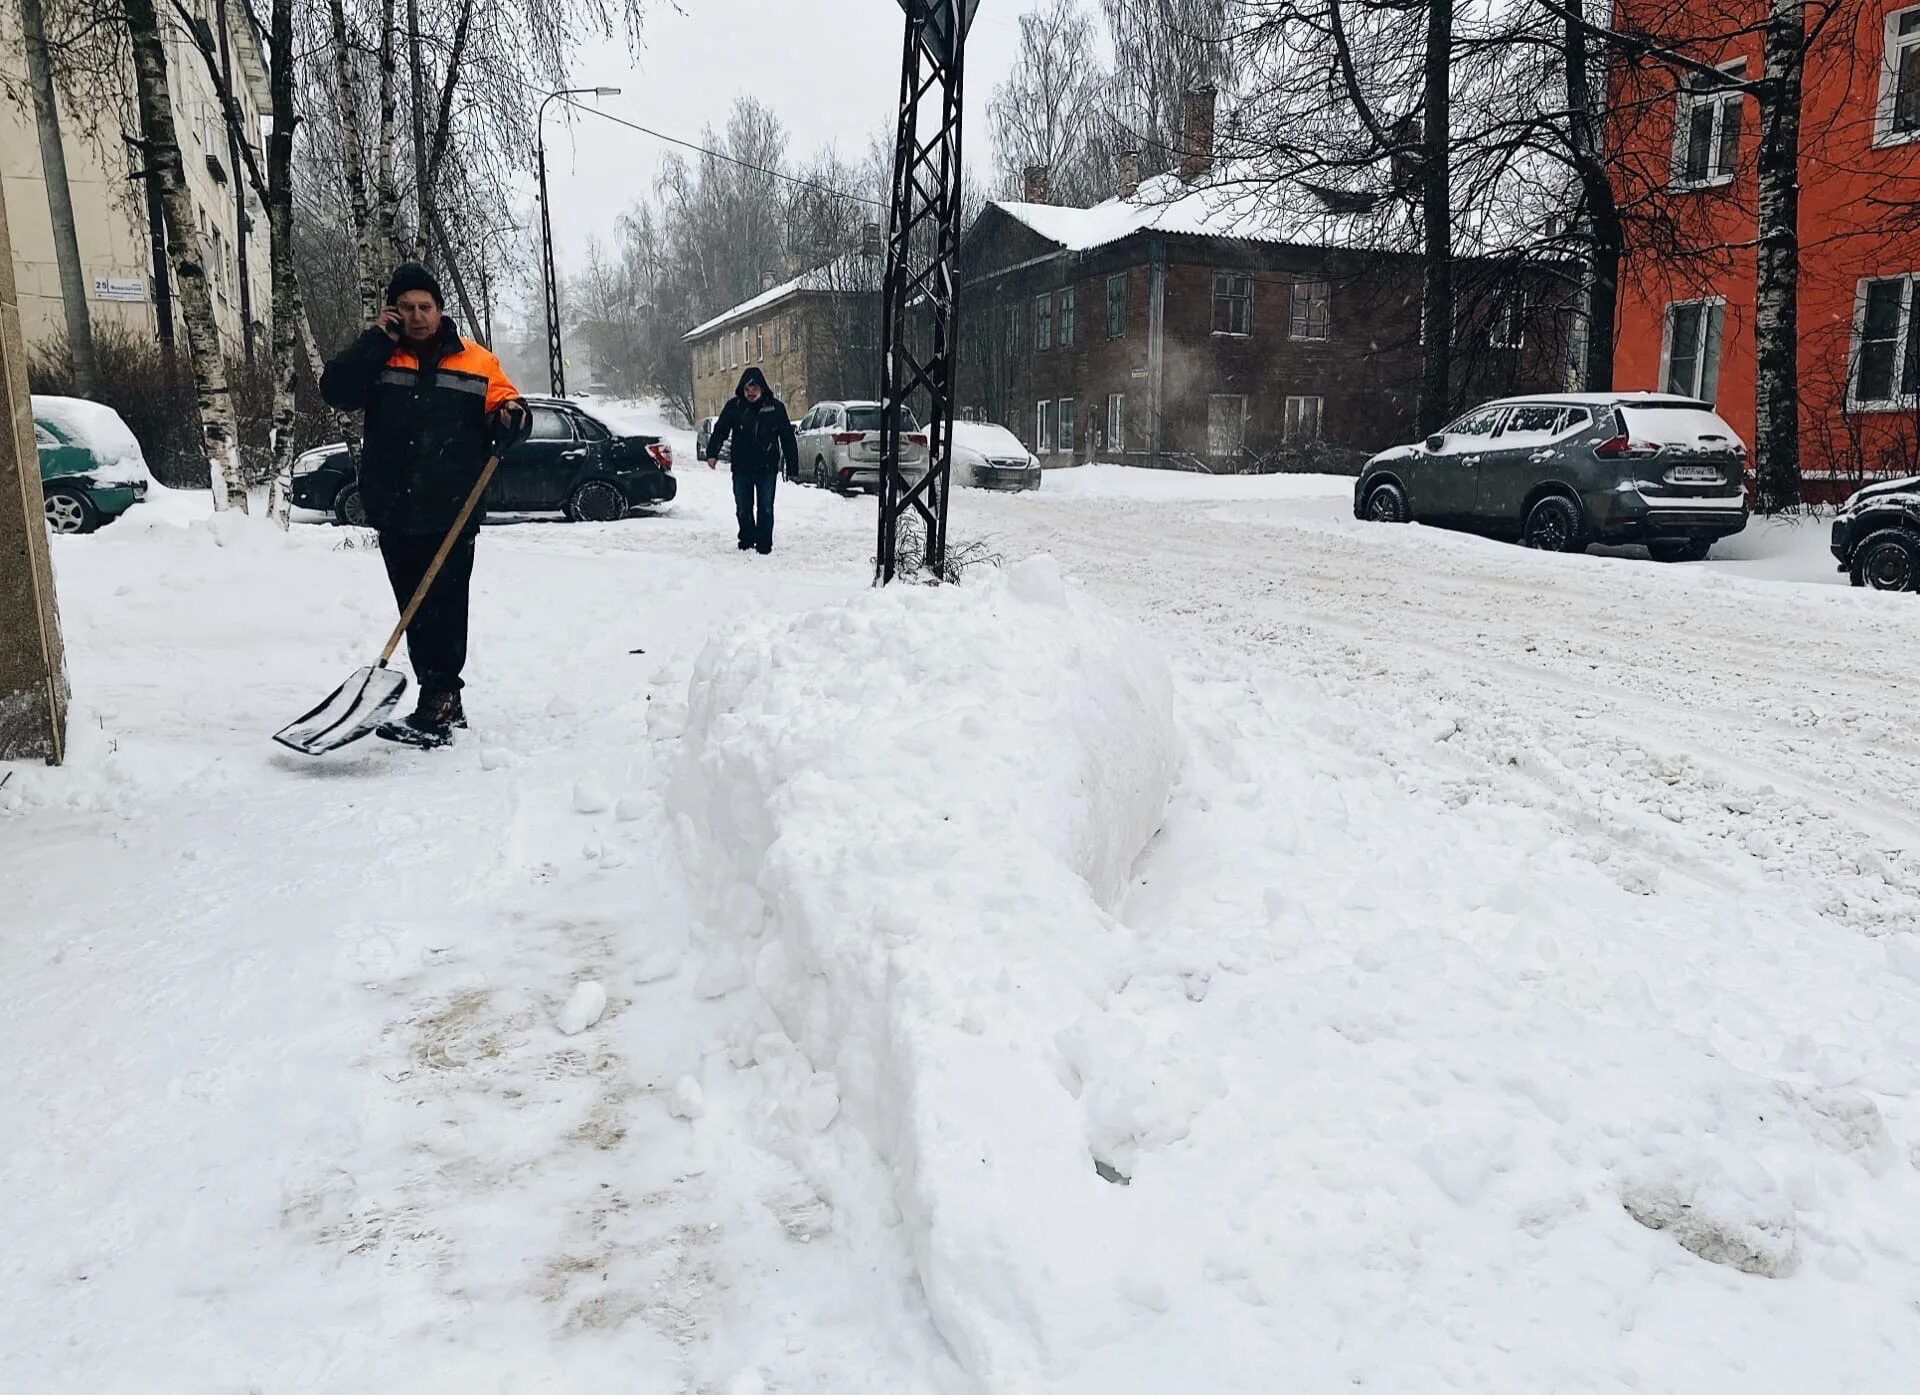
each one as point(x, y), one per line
point(434, 404)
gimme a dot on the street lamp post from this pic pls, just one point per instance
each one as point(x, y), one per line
point(556, 361)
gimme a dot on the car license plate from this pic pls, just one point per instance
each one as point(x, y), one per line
point(1694, 474)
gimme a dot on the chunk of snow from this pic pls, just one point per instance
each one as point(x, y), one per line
point(591, 797)
point(583, 1008)
point(687, 1101)
point(1729, 1212)
point(630, 808)
point(932, 1002)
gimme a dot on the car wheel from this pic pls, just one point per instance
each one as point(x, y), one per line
point(1888, 561)
point(819, 474)
point(349, 509)
point(70, 511)
point(597, 501)
point(1554, 525)
point(1680, 550)
point(1387, 503)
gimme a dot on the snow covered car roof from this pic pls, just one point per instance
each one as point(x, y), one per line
point(99, 430)
point(987, 436)
point(1603, 399)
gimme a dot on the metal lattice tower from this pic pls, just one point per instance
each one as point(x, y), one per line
point(918, 344)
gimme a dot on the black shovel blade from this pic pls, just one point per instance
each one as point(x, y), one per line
point(352, 710)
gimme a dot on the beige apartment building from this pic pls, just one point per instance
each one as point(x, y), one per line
point(115, 223)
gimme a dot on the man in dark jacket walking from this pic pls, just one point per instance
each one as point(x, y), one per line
point(756, 422)
point(434, 404)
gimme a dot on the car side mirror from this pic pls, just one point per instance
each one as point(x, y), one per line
point(1437, 441)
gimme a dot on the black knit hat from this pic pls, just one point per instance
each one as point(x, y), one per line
point(411, 276)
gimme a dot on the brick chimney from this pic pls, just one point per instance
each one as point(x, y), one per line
point(1127, 167)
point(1197, 159)
point(1038, 184)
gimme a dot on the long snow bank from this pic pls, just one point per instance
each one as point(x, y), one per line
point(914, 812)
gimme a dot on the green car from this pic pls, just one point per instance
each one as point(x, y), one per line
point(91, 469)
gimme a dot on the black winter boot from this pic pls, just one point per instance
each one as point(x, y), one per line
point(431, 722)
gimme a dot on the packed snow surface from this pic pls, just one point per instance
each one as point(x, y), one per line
point(1227, 948)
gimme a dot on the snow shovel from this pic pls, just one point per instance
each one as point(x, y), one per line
point(364, 701)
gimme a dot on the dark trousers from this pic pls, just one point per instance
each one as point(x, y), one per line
point(753, 505)
point(437, 638)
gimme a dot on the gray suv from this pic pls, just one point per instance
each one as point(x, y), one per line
point(840, 447)
point(1560, 471)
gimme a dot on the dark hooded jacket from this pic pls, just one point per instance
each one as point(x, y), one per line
point(762, 435)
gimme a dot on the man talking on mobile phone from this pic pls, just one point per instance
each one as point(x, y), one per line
point(434, 404)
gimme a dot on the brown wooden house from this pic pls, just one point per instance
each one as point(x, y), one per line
point(815, 337)
point(1197, 322)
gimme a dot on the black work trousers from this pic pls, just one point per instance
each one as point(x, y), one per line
point(753, 505)
point(437, 638)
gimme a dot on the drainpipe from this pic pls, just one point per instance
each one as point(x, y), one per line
point(1156, 341)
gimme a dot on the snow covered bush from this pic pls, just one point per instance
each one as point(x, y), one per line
point(915, 812)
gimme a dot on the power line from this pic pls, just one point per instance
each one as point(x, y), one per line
point(721, 155)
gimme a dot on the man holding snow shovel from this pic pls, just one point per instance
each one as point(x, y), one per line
point(434, 403)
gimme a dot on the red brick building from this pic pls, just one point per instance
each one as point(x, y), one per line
point(1687, 145)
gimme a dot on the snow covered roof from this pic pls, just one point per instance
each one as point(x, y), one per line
point(1241, 204)
point(847, 273)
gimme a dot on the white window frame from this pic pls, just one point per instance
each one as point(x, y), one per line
point(1223, 290)
point(1301, 305)
point(1042, 428)
point(1898, 401)
point(1720, 99)
point(1893, 44)
point(1117, 421)
point(1297, 413)
point(1507, 328)
point(1708, 349)
point(1214, 448)
point(1064, 413)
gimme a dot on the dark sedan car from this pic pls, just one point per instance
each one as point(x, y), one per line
point(573, 462)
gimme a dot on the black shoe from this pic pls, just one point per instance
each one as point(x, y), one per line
point(763, 551)
point(431, 723)
point(745, 545)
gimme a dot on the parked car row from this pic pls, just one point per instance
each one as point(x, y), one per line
point(1561, 471)
point(572, 462)
point(840, 447)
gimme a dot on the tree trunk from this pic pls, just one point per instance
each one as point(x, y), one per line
point(66, 239)
point(454, 275)
point(1776, 317)
point(360, 205)
point(430, 156)
point(287, 308)
point(236, 133)
point(1436, 301)
point(213, 407)
point(387, 213)
point(422, 179)
point(1601, 291)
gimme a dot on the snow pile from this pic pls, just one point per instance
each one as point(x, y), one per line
point(99, 430)
point(915, 812)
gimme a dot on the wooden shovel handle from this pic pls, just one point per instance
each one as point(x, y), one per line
point(440, 557)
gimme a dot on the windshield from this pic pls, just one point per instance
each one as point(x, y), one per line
point(868, 419)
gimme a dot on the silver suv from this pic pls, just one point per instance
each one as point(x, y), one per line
point(840, 446)
point(1563, 470)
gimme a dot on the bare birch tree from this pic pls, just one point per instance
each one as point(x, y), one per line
point(1052, 111)
point(219, 437)
point(53, 169)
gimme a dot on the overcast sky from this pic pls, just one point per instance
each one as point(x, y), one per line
point(829, 68)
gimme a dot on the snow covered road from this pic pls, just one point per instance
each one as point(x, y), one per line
point(1502, 900)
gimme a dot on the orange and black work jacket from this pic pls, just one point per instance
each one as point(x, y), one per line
point(429, 427)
